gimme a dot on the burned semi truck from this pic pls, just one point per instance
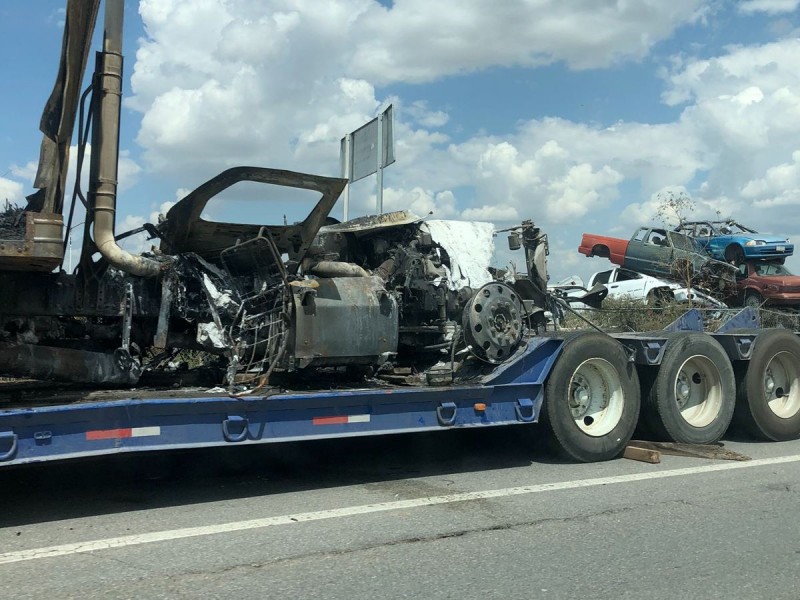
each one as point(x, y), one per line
point(383, 324)
point(393, 295)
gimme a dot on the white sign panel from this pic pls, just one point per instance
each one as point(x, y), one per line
point(365, 146)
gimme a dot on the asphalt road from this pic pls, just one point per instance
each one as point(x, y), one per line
point(460, 514)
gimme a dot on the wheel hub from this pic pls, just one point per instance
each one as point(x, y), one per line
point(769, 382)
point(595, 397)
point(581, 397)
point(682, 390)
point(493, 322)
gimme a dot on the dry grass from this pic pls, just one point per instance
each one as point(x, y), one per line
point(628, 315)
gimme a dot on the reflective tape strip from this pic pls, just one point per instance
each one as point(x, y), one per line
point(343, 420)
point(114, 434)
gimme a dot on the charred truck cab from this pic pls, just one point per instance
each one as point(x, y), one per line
point(393, 296)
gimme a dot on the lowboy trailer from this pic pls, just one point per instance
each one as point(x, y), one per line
point(590, 390)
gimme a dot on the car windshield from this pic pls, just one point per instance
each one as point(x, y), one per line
point(771, 270)
point(732, 228)
point(684, 242)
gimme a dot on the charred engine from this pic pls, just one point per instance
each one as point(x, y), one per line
point(377, 292)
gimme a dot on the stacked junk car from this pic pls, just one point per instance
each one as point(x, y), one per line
point(381, 324)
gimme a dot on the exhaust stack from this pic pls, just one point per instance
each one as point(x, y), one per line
point(105, 149)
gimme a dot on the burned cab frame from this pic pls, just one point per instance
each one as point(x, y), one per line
point(391, 296)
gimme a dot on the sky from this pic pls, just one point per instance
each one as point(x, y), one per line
point(580, 115)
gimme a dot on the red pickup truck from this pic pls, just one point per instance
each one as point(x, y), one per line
point(607, 247)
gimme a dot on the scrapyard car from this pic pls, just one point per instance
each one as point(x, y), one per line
point(759, 282)
point(735, 243)
point(625, 284)
point(661, 253)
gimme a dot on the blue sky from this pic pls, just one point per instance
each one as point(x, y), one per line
point(575, 114)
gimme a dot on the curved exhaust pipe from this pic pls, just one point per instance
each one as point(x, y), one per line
point(105, 150)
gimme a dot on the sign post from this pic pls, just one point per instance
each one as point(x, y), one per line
point(367, 150)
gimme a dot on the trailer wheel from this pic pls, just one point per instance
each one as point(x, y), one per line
point(692, 397)
point(768, 389)
point(592, 398)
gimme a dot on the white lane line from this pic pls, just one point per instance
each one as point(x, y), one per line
point(350, 511)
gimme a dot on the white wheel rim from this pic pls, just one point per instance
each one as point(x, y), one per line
point(782, 385)
point(596, 398)
point(698, 391)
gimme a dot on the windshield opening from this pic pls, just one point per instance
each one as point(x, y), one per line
point(771, 270)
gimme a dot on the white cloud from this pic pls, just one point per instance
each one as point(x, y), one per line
point(772, 7)
point(745, 110)
point(495, 213)
point(418, 40)
point(26, 171)
point(419, 201)
point(237, 81)
point(421, 114)
point(10, 191)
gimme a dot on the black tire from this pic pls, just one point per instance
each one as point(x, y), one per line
point(692, 396)
point(752, 299)
point(592, 361)
point(775, 354)
point(734, 254)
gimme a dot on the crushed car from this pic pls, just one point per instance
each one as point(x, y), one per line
point(771, 283)
point(735, 243)
point(624, 283)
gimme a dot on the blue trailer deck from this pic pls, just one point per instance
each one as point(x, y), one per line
point(148, 421)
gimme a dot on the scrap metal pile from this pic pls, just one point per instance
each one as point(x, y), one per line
point(721, 259)
point(394, 296)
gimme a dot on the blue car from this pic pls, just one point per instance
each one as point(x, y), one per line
point(735, 243)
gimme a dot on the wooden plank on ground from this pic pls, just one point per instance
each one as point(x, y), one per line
point(711, 451)
point(642, 454)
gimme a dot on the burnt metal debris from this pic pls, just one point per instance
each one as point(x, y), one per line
point(384, 297)
point(12, 222)
point(390, 297)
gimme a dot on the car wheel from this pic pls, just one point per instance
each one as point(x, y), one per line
point(734, 254)
point(753, 299)
point(659, 298)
